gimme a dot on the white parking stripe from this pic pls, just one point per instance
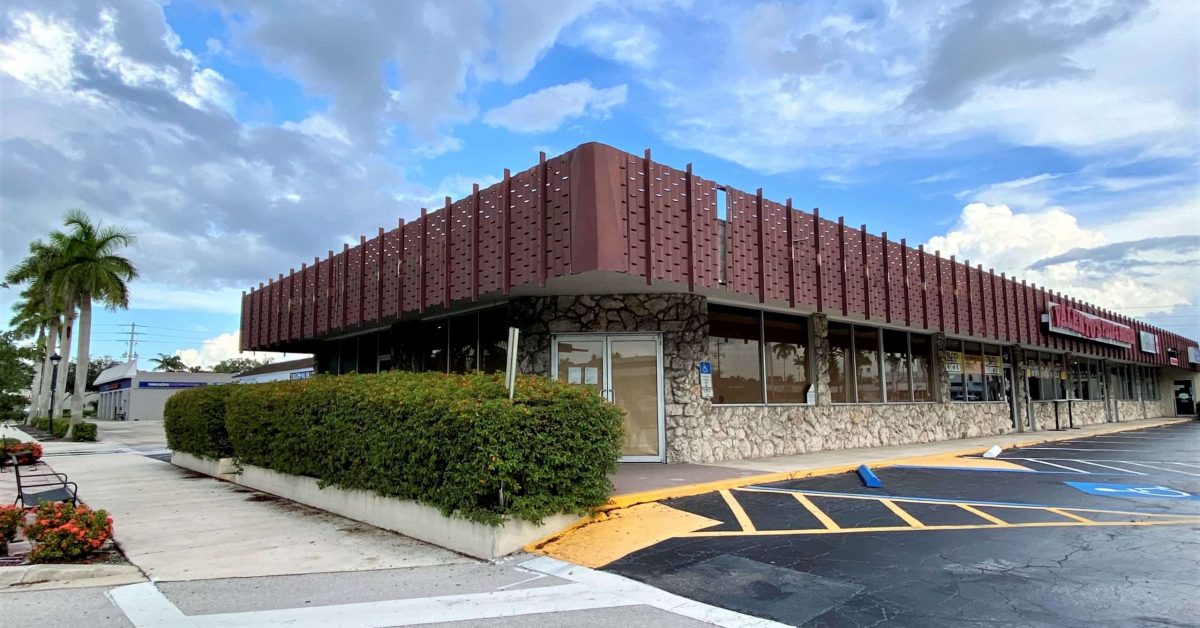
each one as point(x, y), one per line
point(1150, 466)
point(1060, 466)
point(1186, 464)
point(1136, 451)
point(1097, 464)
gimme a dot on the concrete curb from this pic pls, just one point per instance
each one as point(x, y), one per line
point(617, 502)
point(40, 577)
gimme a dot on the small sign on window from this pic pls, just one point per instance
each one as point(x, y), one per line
point(706, 386)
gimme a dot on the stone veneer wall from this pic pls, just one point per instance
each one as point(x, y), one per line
point(681, 318)
point(721, 432)
point(697, 430)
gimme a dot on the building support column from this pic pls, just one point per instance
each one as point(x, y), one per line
point(820, 359)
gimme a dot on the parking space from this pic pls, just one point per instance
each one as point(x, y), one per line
point(1091, 531)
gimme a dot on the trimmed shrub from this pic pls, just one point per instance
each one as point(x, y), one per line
point(84, 431)
point(194, 420)
point(454, 442)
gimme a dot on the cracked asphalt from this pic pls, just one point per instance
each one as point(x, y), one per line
point(957, 546)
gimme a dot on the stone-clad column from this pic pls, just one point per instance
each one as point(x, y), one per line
point(939, 368)
point(820, 358)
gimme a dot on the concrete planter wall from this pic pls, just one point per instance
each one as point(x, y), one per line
point(398, 515)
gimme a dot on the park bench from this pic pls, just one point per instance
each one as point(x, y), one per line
point(35, 488)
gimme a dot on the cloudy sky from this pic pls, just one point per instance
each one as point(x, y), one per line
point(1055, 140)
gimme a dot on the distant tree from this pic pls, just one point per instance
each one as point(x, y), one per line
point(195, 369)
point(169, 363)
point(239, 365)
point(96, 366)
point(16, 375)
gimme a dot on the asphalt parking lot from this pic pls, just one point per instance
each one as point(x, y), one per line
point(1097, 531)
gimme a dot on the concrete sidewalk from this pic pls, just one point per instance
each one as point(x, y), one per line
point(658, 480)
point(177, 525)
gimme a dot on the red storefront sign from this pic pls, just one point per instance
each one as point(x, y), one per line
point(1063, 319)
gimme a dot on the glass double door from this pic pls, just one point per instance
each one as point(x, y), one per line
point(626, 369)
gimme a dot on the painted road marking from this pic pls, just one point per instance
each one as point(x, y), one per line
point(983, 515)
point(738, 512)
point(1131, 490)
point(1105, 466)
point(1060, 466)
point(1150, 466)
point(825, 520)
point(146, 607)
point(1137, 451)
point(1070, 515)
point(1184, 464)
point(1039, 524)
point(900, 512)
point(622, 532)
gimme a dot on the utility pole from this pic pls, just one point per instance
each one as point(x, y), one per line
point(132, 334)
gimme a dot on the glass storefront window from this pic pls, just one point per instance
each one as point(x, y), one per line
point(464, 340)
point(896, 365)
point(922, 367)
point(433, 345)
point(493, 340)
point(993, 374)
point(866, 365)
point(841, 379)
point(733, 346)
point(786, 358)
point(973, 389)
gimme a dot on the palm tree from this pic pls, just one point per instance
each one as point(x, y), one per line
point(45, 299)
point(168, 363)
point(31, 315)
point(90, 269)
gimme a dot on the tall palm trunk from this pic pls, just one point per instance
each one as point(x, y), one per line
point(35, 391)
point(81, 360)
point(44, 391)
point(64, 365)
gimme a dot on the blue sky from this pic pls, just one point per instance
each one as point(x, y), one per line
point(240, 138)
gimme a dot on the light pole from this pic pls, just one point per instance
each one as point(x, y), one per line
point(54, 360)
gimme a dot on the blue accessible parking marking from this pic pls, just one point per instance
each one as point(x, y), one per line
point(1131, 490)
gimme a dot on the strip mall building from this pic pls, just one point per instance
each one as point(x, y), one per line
point(726, 324)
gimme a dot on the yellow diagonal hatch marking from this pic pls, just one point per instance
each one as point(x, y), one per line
point(742, 518)
point(624, 531)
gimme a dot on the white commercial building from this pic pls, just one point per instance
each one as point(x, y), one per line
point(129, 394)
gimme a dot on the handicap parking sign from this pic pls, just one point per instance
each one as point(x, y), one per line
point(1132, 490)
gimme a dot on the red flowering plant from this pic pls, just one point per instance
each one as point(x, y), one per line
point(62, 532)
point(11, 518)
point(26, 453)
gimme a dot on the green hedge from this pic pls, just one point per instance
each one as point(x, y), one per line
point(451, 441)
point(194, 420)
point(84, 431)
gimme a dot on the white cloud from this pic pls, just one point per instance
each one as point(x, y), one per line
point(319, 125)
point(790, 86)
point(625, 41)
point(547, 109)
point(224, 347)
point(1124, 263)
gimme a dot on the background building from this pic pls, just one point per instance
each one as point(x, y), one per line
point(727, 325)
point(129, 394)
point(276, 371)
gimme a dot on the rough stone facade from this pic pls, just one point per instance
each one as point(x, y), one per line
point(699, 431)
point(681, 319)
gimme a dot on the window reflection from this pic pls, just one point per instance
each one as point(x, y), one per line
point(733, 345)
point(786, 359)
